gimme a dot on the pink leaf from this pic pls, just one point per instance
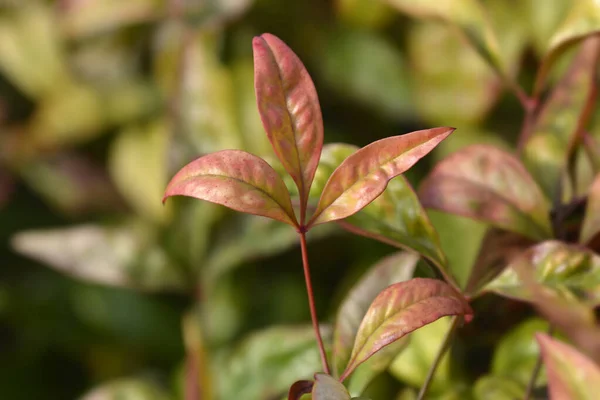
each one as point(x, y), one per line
point(238, 180)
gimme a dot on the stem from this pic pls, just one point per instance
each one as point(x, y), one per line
point(311, 302)
point(438, 358)
point(536, 371)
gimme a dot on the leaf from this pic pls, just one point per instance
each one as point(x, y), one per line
point(267, 362)
point(560, 122)
point(364, 175)
point(451, 85)
point(568, 270)
point(543, 17)
point(400, 309)
point(138, 166)
point(490, 387)
point(363, 13)
point(571, 375)
point(581, 20)
point(468, 16)
point(497, 250)
point(125, 255)
point(300, 388)
point(366, 68)
point(238, 180)
point(412, 365)
point(517, 353)
point(289, 109)
point(488, 184)
point(591, 221)
point(397, 267)
point(328, 388)
point(127, 389)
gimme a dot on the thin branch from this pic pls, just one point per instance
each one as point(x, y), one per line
point(536, 371)
point(311, 302)
point(456, 320)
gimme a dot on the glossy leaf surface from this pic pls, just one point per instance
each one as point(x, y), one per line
point(571, 271)
point(400, 309)
point(488, 184)
point(237, 180)
point(562, 118)
point(126, 255)
point(328, 388)
point(268, 362)
point(571, 375)
point(467, 15)
point(289, 109)
point(591, 221)
point(395, 268)
point(365, 174)
point(582, 19)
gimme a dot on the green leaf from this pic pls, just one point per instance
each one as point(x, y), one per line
point(138, 166)
point(452, 85)
point(364, 175)
point(397, 267)
point(125, 255)
point(557, 129)
point(571, 375)
point(581, 20)
point(363, 13)
point(488, 184)
point(591, 220)
point(497, 388)
point(570, 271)
point(517, 353)
point(238, 180)
point(366, 68)
point(413, 364)
point(127, 389)
point(328, 388)
point(468, 16)
point(289, 109)
point(543, 17)
point(268, 362)
point(29, 38)
point(497, 249)
point(400, 309)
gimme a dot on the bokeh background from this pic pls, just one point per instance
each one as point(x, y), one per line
point(101, 101)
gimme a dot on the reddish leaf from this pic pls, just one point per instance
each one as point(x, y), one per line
point(488, 184)
point(300, 388)
point(571, 375)
point(395, 268)
point(328, 388)
point(591, 222)
point(400, 309)
point(237, 180)
point(289, 109)
point(364, 175)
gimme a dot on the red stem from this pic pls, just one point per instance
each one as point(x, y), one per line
point(311, 302)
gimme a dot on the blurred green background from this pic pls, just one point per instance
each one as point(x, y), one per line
point(101, 101)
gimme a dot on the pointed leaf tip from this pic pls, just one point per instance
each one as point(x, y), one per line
point(289, 109)
point(238, 180)
point(364, 175)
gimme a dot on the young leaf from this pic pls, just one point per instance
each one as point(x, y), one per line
point(364, 175)
point(591, 221)
point(561, 120)
point(238, 180)
point(582, 20)
point(397, 267)
point(400, 309)
point(486, 183)
point(300, 388)
point(328, 388)
point(568, 270)
point(289, 109)
point(571, 375)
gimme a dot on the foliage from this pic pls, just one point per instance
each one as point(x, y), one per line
point(192, 300)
